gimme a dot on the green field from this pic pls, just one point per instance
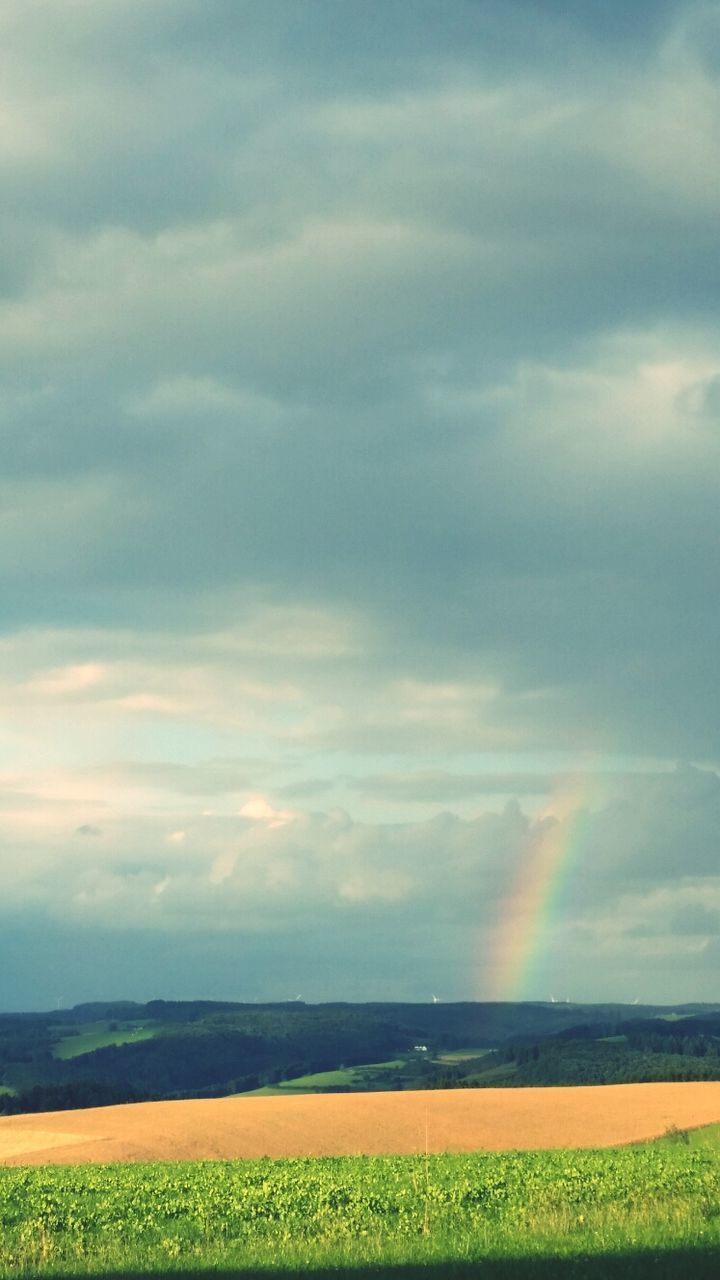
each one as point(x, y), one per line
point(98, 1035)
point(648, 1210)
point(461, 1055)
point(353, 1078)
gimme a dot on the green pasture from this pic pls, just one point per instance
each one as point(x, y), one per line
point(346, 1077)
point(98, 1035)
point(460, 1055)
point(455, 1056)
point(641, 1211)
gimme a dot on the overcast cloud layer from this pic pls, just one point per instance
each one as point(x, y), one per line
point(359, 444)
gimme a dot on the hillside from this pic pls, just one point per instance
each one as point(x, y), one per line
point(109, 1053)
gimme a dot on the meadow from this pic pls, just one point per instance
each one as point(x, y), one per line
point(650, 1209)
point(100, 1035)
point(356, 1079)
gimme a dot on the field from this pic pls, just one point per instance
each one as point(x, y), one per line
point(461, 1055)
point(651, 1210)
point(402, 1123)
point(121, 1190)
point(350, 1078)
point(99, 1035)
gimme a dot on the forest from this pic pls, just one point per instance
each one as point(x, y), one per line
point(100, 1054)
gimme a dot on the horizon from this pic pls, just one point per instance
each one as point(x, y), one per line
point(262, 1004)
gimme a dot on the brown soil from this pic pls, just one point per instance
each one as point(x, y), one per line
point(361, 1123)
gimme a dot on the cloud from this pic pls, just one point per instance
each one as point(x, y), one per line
point(260, 868)
point(431, 786)
point(359, 432)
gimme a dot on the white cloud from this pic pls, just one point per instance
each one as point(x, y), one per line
point(179, 396)
point(260, 809)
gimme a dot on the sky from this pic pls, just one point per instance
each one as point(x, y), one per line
point(359, 446)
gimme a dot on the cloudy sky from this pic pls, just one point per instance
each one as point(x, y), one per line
point(360, 427)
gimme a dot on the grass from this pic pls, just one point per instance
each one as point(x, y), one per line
point(461, 1055)
point(345, 1077)
point(318, 1080)
point(705, 1139)
point(98, 1035)
point(651, 1209)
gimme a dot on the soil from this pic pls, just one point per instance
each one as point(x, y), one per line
point(361, 1123)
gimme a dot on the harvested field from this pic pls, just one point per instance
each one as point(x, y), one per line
point(364, 1123)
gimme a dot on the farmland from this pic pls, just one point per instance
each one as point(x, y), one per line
point(99, 1035)
point(406, 1167)
point(372, 1124)
point(634, 1211)
point(352, 1079)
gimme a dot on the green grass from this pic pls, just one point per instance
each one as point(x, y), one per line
point(705, 1139)
point(98, 1035)
point(345, 1077)
point(637, 1211)
point(318, 1080)
point(461, 1055)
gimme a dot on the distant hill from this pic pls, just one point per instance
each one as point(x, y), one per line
point(177, 1049)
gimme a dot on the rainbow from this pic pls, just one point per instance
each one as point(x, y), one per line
point(553, 842)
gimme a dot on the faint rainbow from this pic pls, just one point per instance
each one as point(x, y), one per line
point(554, 842)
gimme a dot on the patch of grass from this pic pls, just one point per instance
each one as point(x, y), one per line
point(461, 1055)
point(98, 1035)
point(265, 1091)
point(318, 1080)
point(354, 1078)
point(706, 1138)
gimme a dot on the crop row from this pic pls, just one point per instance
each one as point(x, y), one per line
point(53, 1213)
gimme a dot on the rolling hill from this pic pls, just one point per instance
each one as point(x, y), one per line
point(108, 1053)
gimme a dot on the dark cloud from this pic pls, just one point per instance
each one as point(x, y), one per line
point(399, 317)
point(632, 870)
